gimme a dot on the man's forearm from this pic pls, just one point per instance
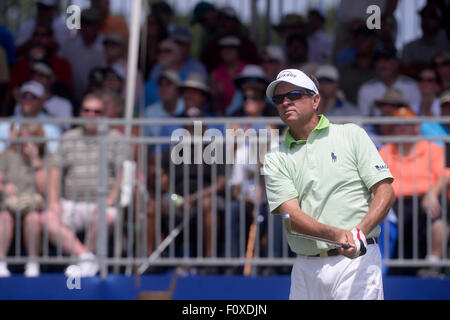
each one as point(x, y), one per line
point(383, 200)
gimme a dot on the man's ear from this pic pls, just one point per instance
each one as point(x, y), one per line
point(316, 101)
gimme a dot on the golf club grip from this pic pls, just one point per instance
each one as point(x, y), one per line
point(345, 246)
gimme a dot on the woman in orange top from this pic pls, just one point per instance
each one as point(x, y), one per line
point(417, 168)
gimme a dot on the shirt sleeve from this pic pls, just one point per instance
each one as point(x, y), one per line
point(371, 166)
point(279, 184)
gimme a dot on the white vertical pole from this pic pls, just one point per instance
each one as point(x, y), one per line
point(133, 49)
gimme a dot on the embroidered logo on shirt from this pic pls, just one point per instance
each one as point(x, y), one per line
point(333, 157)
point(383, 167)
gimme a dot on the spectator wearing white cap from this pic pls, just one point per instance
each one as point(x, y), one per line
point(319, 42)
point(46, 14)
point(332, 102)
point(54, 105)
point(31, 100)
point(273, 60)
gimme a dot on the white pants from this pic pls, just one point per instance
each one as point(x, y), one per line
point(81, 215)
point(338, 277)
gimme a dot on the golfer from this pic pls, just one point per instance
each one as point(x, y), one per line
point(333, 183)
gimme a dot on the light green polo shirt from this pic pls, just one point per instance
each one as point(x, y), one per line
point(330, 173)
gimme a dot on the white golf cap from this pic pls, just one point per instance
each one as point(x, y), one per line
point(33, 87)
point(293, 76)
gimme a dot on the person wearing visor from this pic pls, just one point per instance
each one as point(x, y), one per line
point(324, 176)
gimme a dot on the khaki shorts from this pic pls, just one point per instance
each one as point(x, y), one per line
point(80, 216)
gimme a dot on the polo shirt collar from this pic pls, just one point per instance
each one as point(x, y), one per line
point(323, 124)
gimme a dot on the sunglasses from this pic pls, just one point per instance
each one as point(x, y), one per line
point(88, 110)
point(292, 96)
point(28, 95)
point(326, 80)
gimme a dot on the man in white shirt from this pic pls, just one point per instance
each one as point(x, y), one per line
point(387, 70)
point(85, 52)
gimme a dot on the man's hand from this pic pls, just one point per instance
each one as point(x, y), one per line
point(345, 236)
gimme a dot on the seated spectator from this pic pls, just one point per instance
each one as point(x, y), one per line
point(74, 205)
point(42, 50)
point(362, 68)
point(222, 77)
point(387, 70)
point(165, 12)
point(84, 52)
point(418, 53)
point(296, 51)
point(31, 105)
point(46, 15)
point(114, 79)
point(54, 106)
point(319, 42)
point(23, 181)
point(115, 53)
point(429, 93)
point(210, 198)
point(347, 54)
point(171, 104)
point(171, 56)
point(441, 63)
point(332, 102)
point(229, 25)
point(251, 77)
point(110, 23)
point(416, 166)
point(273, 60)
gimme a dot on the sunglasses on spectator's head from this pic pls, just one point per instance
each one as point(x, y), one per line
point(89, 110)
point(292, 96)
point(28, 95)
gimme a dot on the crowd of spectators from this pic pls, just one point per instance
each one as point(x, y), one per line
point(210, 68)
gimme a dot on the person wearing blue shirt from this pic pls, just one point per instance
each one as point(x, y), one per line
point(31, 101)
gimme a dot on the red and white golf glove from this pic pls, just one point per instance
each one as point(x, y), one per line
point(360, 241)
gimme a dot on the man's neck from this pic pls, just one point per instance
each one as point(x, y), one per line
point(300, 131)
point(389, 82)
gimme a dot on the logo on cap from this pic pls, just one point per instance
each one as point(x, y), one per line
point(286, 73)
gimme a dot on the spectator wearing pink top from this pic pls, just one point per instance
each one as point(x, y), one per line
point(222, 77)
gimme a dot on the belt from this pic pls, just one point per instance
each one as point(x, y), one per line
point(335, 252)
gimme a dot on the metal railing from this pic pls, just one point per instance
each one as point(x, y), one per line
point(154, 227)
